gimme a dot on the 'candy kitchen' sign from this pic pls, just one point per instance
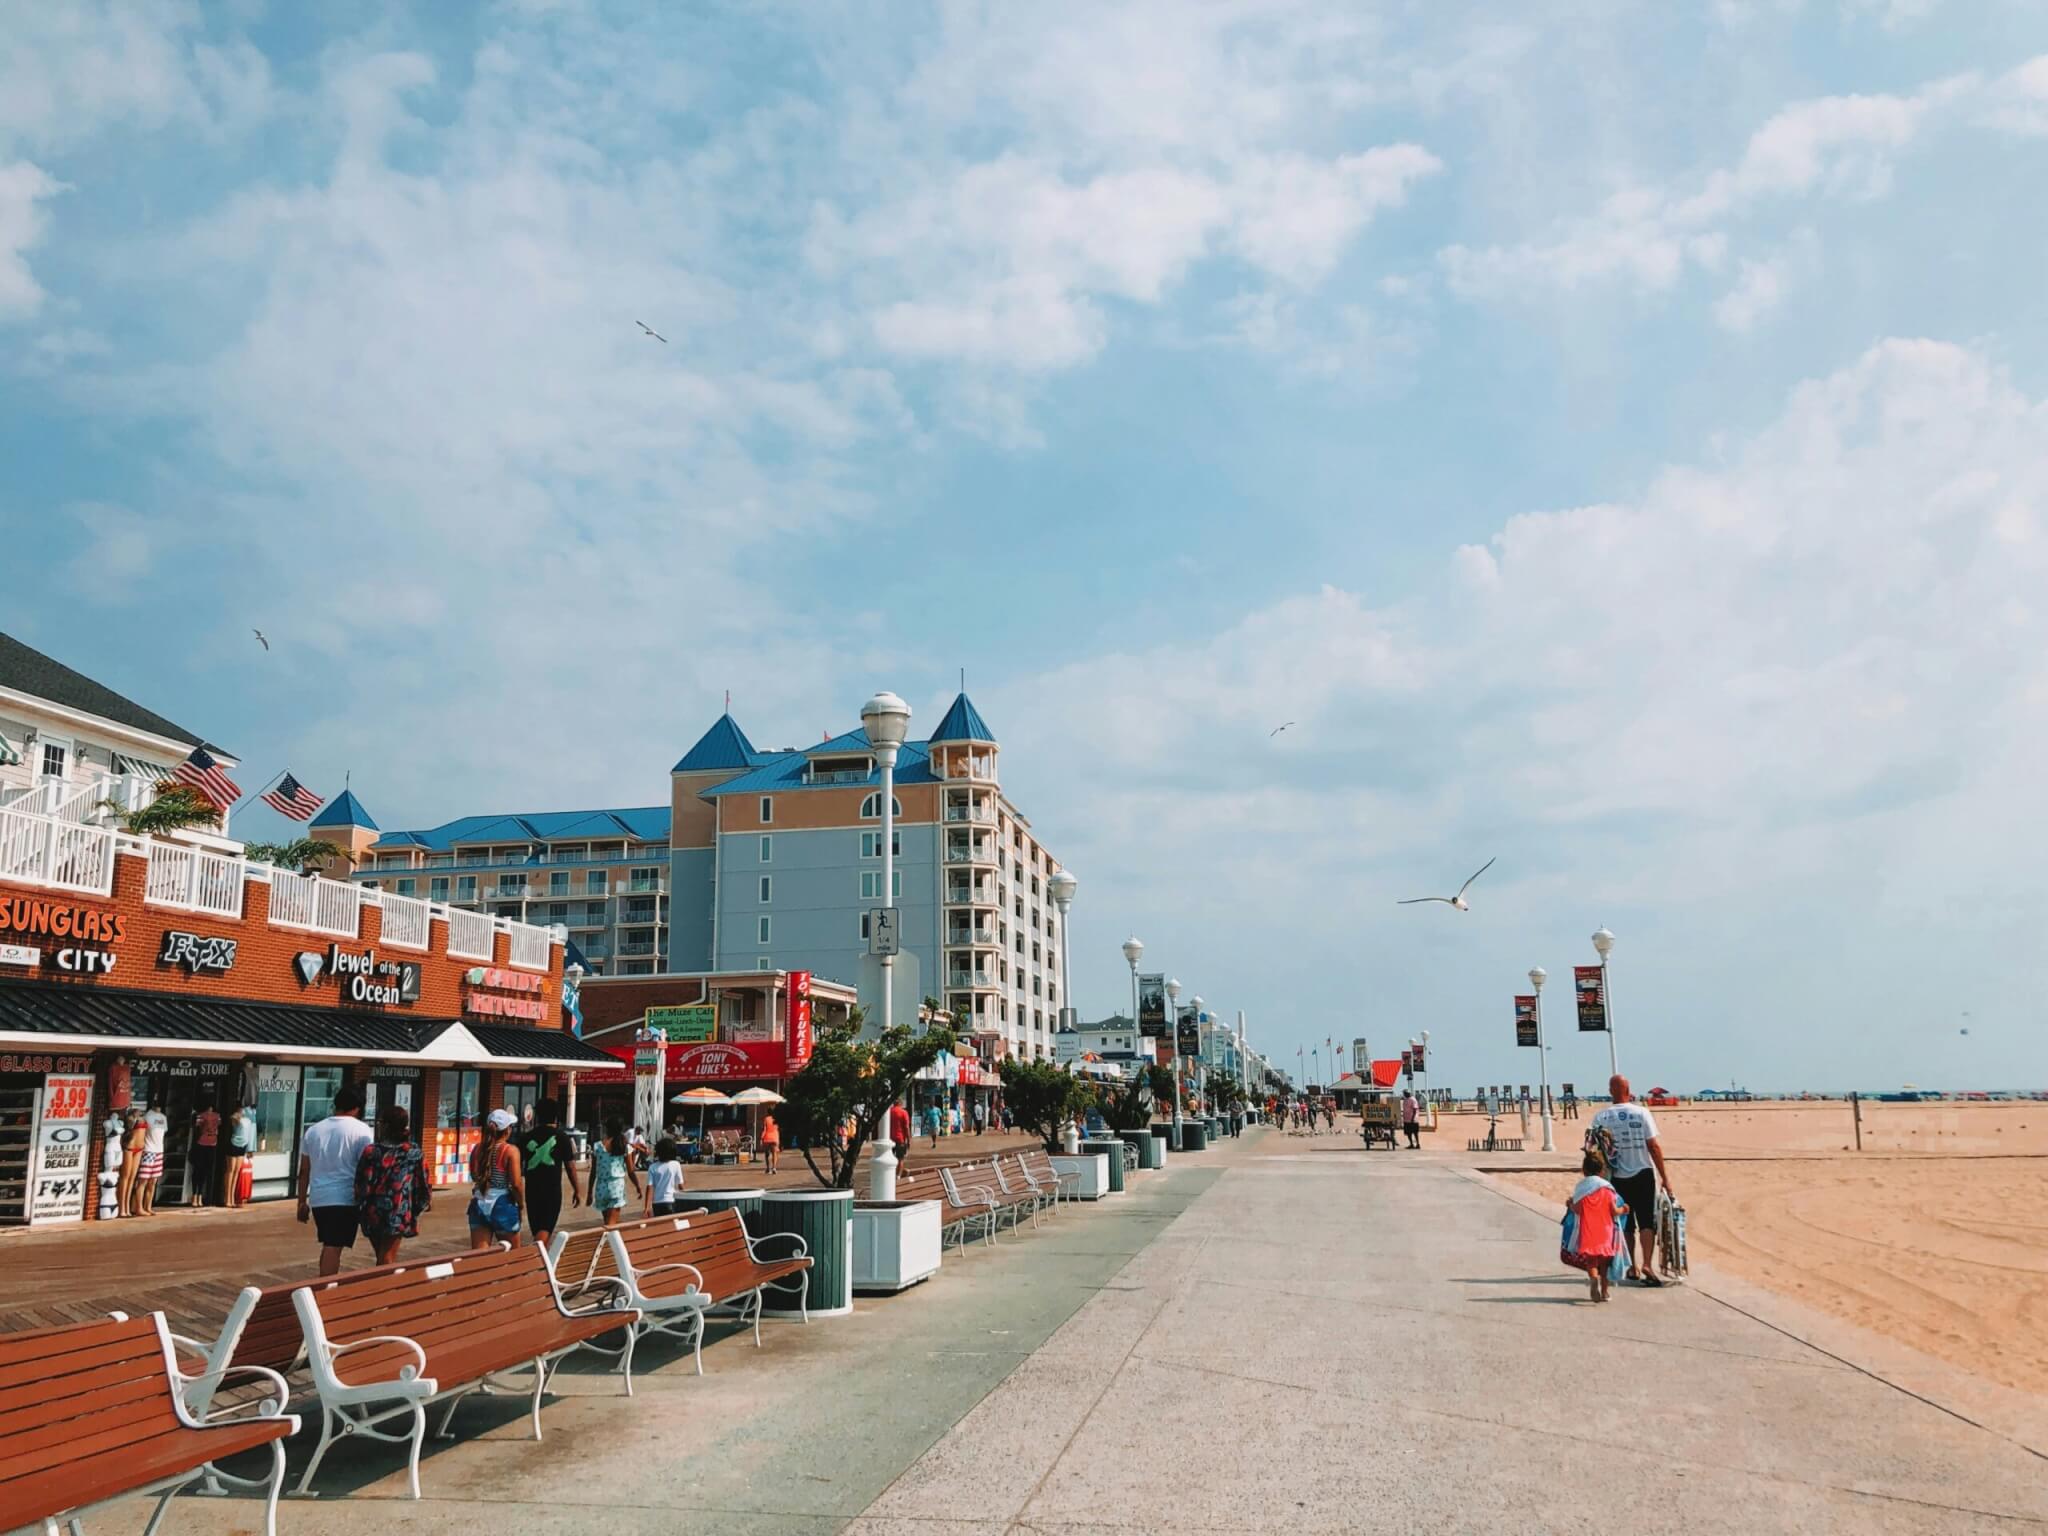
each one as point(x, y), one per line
point(497, 993)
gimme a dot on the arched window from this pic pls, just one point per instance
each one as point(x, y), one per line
point(871, 808)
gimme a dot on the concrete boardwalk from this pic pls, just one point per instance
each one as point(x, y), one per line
point(1285, 1335)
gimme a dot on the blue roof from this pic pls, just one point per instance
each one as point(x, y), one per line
point(344, 810)
point(724, 746)
point(779, 771)
point(645, 824)
point(963, 722)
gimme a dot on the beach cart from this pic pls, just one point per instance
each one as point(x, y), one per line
point(1380, 1121)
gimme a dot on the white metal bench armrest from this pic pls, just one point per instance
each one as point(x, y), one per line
point(405, 1373)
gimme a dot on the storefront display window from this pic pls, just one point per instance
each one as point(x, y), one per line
point(457, 1116)
point(277, 1130)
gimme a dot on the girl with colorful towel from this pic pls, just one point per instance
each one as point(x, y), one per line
point(1592, 1238)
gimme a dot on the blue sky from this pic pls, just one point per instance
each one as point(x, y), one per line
point(1618, 443)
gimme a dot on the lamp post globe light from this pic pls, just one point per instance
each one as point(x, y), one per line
point(1134, 947)
point(1177, 1090)
point(1603, 943)
point(1537, 976)
point(886, 721)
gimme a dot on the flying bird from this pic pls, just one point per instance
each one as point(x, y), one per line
point(1277, 730)
point(259, 635)
point(650, 330)
point(1458, 900)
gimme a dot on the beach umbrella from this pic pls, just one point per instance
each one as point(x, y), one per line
point(754, 1098)
point(701, 1097)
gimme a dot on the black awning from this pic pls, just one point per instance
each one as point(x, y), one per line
point(45, 1008)
point(523, 1043)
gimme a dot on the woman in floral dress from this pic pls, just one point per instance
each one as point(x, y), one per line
point(391, 1184)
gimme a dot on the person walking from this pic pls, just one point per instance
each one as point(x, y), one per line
point(611, 1167)
point(665, 1179)
point(980, 1116)
point(544, 1160)
point(391, 1184)
point(497, 1189)
point(1592, 1235)
point(1635, 1167)
point(931, 1124)
point(205, 1159)
point(241, 1147)
point(899, 1132)
point(328, 1154)
point(769, 1141)
point(1411, 1119)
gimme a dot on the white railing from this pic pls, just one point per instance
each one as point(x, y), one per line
point(529, 946)
point(469, 934)
point(408, 921)
point(64, 855)
point(192, 879)
point(325, 906)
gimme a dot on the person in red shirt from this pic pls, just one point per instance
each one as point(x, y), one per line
point(899, 1132)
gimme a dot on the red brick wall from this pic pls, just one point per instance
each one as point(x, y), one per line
point(264, 968)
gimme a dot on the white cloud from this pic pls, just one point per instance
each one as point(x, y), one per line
point(22, 188)
point(1761, 286)
point(120, 550)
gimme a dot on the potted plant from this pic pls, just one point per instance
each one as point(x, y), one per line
point(834, 1107)
point(1128, 1109)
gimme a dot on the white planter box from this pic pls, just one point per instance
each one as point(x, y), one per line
point(1093, 1167)
point(895, 1246)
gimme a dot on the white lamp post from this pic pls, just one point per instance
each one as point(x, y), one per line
point(1061, 888)
point(1424, 1073)
point(1134, 947)
point(1603, 942)
point(1177, 1090)
point(1173, 1034)
point(1537, 976)
point(886, 720)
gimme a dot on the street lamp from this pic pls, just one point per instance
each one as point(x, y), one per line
point(886, 720)
point(1173, 1034)
point(1133, 948)
point(1424, 1074)
point(1603, 942)
point(1061, 888)
point(1537, 976)
point(1176, 1056)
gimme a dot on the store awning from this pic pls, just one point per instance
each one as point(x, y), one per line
point(140, 768)
point(49, 1016)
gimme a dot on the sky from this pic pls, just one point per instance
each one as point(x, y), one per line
point(1618, 445)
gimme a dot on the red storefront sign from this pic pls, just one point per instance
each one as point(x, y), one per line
point(712, 1061)
point(799, 1019)
point(974, 1075)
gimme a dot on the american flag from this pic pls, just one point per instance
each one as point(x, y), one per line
point(209, 778)
point(291, 798)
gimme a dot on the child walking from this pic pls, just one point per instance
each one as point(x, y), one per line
point(611, 1166)
point(1592, 1227)
point(664, 1179)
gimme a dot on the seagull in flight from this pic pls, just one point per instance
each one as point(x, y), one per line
point(1458, 900)
point(650, 330)
point(259, 635)
point(1277, 730)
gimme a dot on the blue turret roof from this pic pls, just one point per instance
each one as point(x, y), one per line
point(344, 810)
point(724, 746)
point(643, 824)
point(963, 722)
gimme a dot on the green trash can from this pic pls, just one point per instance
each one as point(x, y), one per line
point(746, 1201)
point(1114, 1151)
point(823, 1218)
point(1151, 1150)
point(1194, 1135)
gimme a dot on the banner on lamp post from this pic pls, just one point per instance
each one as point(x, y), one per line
point(1525, 1020)
point(1152, 1005)
point(1590, 986)
point(1407, 1063)
point(1416, 1048)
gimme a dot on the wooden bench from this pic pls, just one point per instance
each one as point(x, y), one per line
point(96, 1412)
point(1067, 1186)
point(684, 1266)
point(960, 1213)
point(1020, 1180)
point(968, 1183)
point(586, 1262)
point(384, 1343)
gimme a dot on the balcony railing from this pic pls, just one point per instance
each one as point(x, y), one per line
point(196, 881)
point(965, 855)
point(529, 947)
point(972, 896)
point(408, 922)
point(639, 919)
point(842, 776)
point(65, 855)
point(985, 936)
point(632, 947)
point(970, 813)
point(979, 979)
point(648, 885)
point(307, 901)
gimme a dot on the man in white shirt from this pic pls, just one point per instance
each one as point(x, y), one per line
point(328, 1154)
point(1637, 1169)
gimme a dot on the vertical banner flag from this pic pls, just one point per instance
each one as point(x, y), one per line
point(1587, 982)
point(1416, 1048)
point(1188, 1038)
point(1408, 1063)
point(1152, 1004)
point(1525, 1020)
point(799, 1019)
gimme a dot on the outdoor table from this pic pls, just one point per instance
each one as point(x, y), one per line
point(1114, 1149)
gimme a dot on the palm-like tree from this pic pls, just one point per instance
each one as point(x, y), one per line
point(296, 855)
point(175, 808)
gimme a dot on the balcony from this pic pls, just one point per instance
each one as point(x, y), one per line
point(973, 813)
point(651, 885)
point(985, 937)
point(981, 981)
point(970, 853)
point(656, 854)
point(632, 948)
point(842, 776)
point(972, 896)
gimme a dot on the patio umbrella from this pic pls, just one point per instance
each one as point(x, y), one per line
point(754, 1098)
point(701, 1097)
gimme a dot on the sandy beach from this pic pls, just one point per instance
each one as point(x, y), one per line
point(1936, 1235)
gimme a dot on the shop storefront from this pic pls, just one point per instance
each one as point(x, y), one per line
point(127, 998)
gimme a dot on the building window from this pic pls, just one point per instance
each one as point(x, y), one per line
point(596, 883)
point(511, 885)
point(871, 844)
point(762, 931)
point(558, 883)
point(403, 887)
point(465, 887)
point(871, 808)
point(767, 888)
point(53, 761)
point(864, 928)
point(761, 963)
point(871, 885)
point(767, 849)
point(767, 809)
point(437, 888)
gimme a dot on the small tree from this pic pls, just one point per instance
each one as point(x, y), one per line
point(1128, 1107)
point(849, 1080)
point(175, 808)
point(296, 855)
point(1042, 1097)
